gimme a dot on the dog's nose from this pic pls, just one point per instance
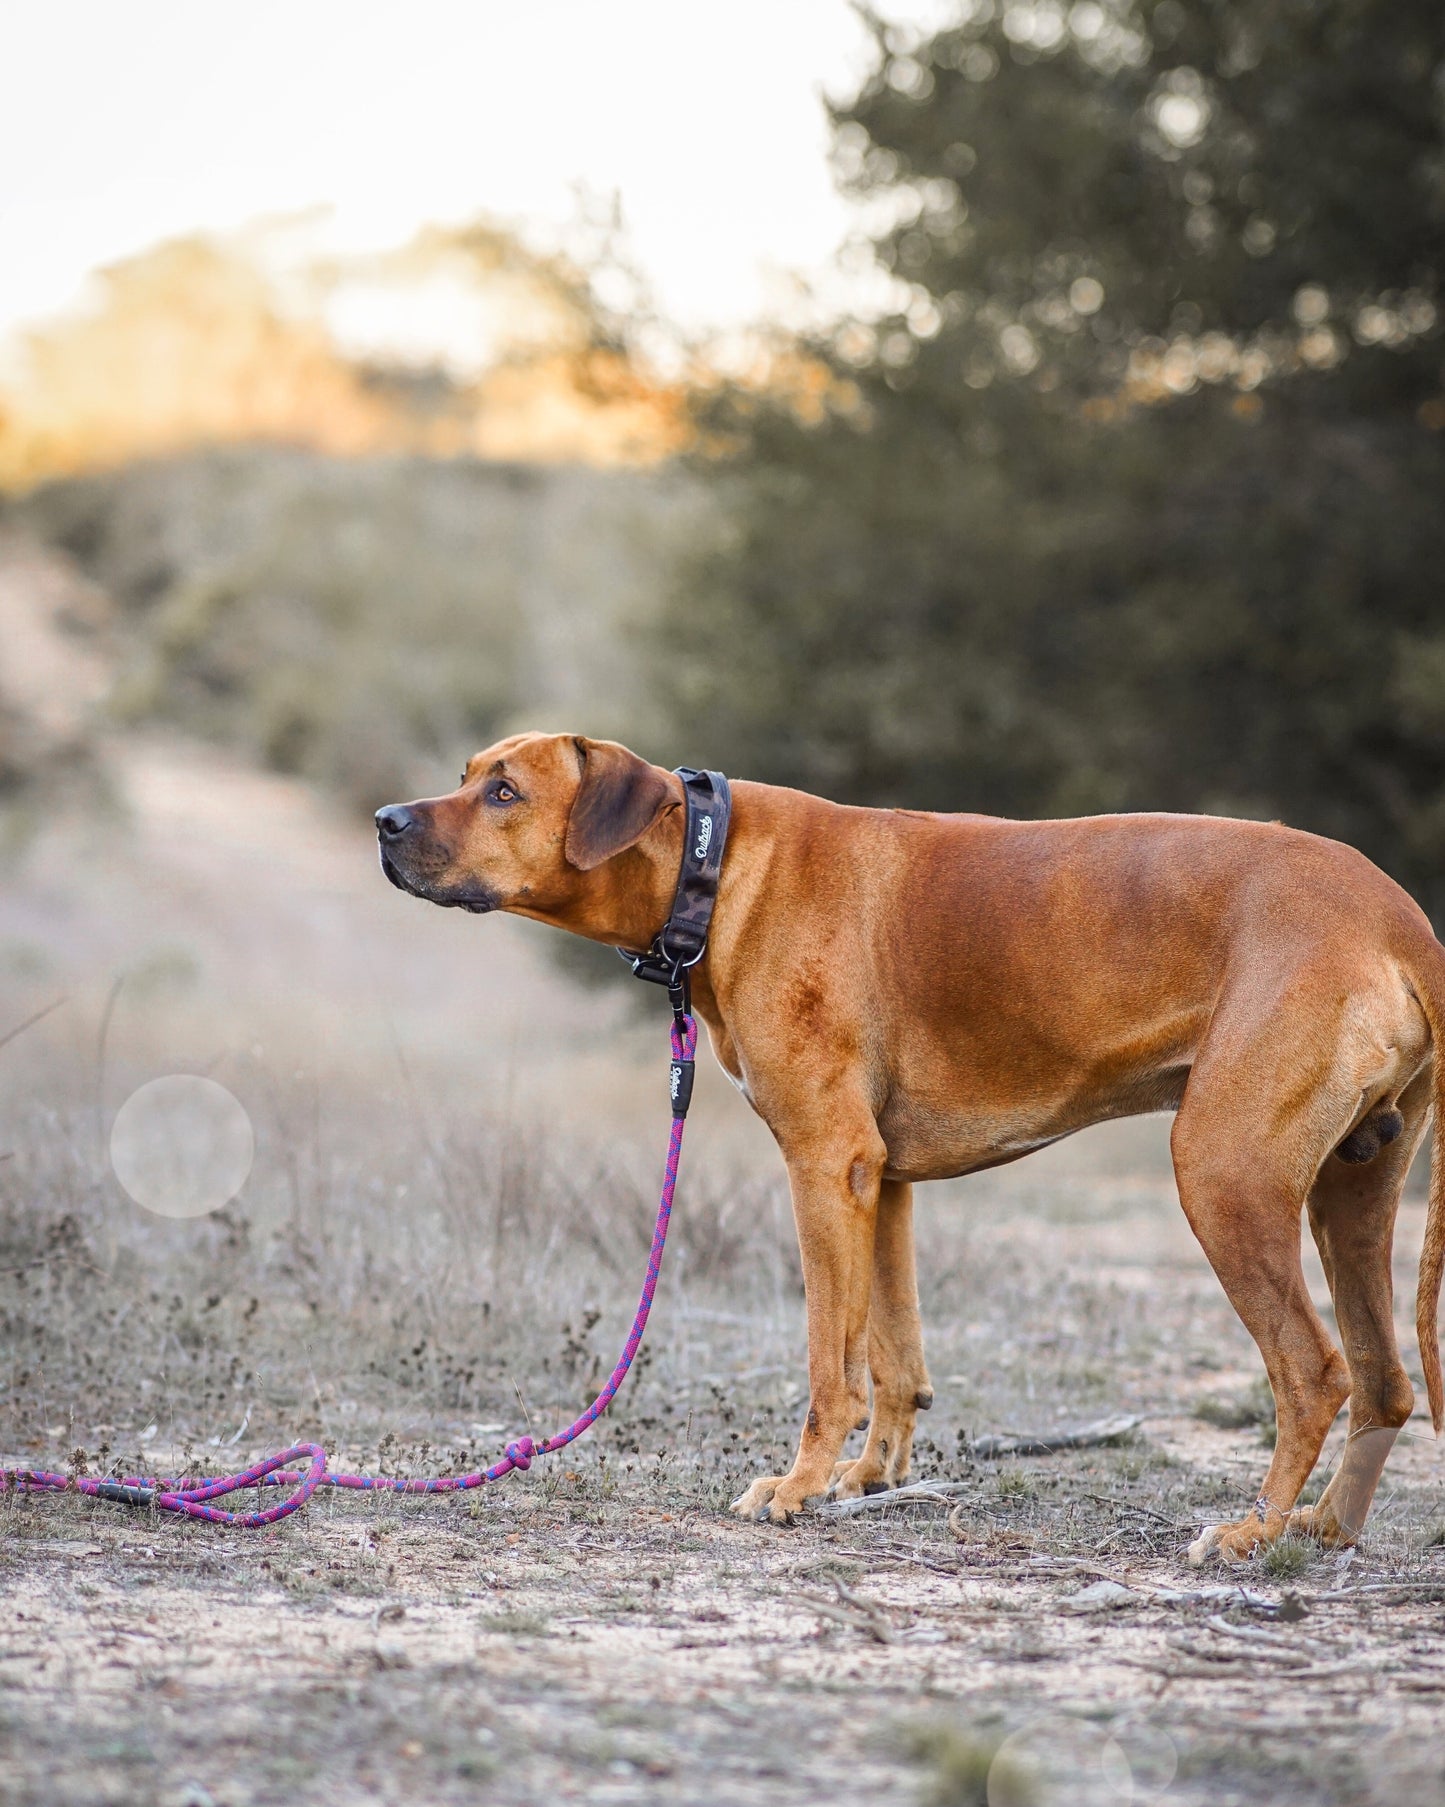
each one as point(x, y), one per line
point(393, 821)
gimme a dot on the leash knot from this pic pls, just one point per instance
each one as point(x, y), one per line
point(520, 1453)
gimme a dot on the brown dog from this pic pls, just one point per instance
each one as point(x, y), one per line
point(904, 996)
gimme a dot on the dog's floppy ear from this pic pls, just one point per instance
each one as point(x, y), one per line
point(618, 800)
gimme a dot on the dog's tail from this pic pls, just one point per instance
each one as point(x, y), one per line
point(1430, 989)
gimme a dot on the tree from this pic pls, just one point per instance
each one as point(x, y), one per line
point(1132, 498)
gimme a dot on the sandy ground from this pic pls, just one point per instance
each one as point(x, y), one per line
point(531, 1650)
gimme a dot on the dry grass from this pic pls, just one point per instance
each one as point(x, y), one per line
point(599, 1627)
point(401, 1290)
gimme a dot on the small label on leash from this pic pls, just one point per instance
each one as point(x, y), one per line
point(127, 1496)
point(680, 1086)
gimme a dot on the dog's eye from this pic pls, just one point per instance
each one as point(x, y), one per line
point(503, 793)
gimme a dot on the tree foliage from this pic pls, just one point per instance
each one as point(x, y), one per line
point(1132, 496)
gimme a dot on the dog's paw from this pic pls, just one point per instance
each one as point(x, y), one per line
point(848, 1479)
point(791, 1500)
point(1322, 1524)
point(863, 1475)
point(777, 1498)
point(1203, 1546)
point(756, 1500)
point(1230, 1543)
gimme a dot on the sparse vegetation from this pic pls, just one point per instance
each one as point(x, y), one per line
point(318, 1311)
point(1289, 1558)
point(1248, 1409)
point(958, 1767)
point(1016, 1484)
point(368, 623)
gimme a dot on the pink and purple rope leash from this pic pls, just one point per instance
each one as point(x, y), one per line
point(192, 1498)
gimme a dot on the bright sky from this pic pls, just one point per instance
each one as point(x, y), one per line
point(124, 124)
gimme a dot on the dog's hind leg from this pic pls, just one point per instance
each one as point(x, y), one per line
point(1243, 1160)
point(895, 1352)
point(1352, 1214)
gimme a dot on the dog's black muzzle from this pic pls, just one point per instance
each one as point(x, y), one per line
point(413, 862)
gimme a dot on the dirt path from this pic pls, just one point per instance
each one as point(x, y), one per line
point(536, 1652)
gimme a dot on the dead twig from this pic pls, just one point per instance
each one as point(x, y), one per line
point(861, 1601)
point(919, 1492)
point(850, 1609)
point(1276, 1640)
point(1174, 1524)
point(1073, 1565)
point(1218, 1653)
point(1013, 1541)
point(1280, 1643)
point(891, 1553)
point(1218, 1670)
point(1027, 1443)
point(102, 1036)
point(30, 1022)
point(1407, 1588)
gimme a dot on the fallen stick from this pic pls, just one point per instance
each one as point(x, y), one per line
point(1217, 1671)
point(1174, 1524)
point(30, 1022)
point(1380, 1587)
point(1075, 1565)
point(878, 1502)
point(1150, 1593)
point(891, 1553)
point(857, 1616)
point(1279, 1644)
point(1087, 1436)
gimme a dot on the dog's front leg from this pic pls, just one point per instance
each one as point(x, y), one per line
point(835, 1200)
point(895, 1352)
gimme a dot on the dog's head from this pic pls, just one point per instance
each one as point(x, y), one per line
point(532, 818)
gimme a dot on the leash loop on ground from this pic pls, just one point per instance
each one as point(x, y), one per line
point(191, 1498)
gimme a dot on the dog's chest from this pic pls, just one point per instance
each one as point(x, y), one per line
point(739, 1080)
point(930, 1141)
point(727, 1056)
